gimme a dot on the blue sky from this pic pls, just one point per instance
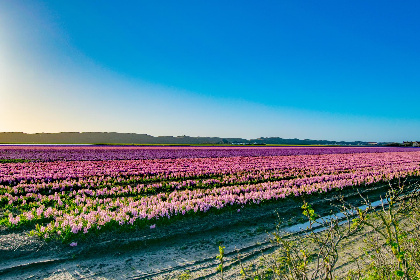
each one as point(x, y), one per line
point(338, 70)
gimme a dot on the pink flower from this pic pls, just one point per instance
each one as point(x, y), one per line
point(152, 226)
point(73, 244)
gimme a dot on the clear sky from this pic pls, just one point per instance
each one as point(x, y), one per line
point(336, 70)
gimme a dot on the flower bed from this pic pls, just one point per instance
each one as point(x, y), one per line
point(66, 198)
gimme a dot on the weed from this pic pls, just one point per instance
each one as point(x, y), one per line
point(184, 275)
point(391, 252)
point(221, 260)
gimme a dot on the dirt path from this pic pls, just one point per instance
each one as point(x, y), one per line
point(165, 251)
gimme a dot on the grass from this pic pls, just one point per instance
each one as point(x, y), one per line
point(16, 160)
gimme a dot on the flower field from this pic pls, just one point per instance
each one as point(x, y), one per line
point(76, 153)
point(65, 192)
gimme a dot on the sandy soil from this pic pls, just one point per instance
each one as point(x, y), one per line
point(165, 251)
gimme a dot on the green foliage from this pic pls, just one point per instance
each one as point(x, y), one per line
point(185, 275)
point(14, 160)
point(309, 212)
point(221, 260)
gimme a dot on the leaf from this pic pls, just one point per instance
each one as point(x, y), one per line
point(399, 273)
